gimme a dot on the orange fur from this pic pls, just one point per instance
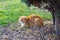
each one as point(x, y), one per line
point(35, 20)
point(23, 19)
point(32, 20)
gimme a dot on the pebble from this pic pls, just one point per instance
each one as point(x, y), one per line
point(23, 34)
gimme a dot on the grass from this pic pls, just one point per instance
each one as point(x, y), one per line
point(11, 10)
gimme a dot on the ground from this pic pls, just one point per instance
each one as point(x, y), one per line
point(15, 32)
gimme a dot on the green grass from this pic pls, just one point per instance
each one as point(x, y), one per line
point(11, 10)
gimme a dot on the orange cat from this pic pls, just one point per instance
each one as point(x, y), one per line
point(31, 21)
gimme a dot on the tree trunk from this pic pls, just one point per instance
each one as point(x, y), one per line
point(53, 16)
point(57, 22)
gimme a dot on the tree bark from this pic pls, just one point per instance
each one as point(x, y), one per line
point(57, 22)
